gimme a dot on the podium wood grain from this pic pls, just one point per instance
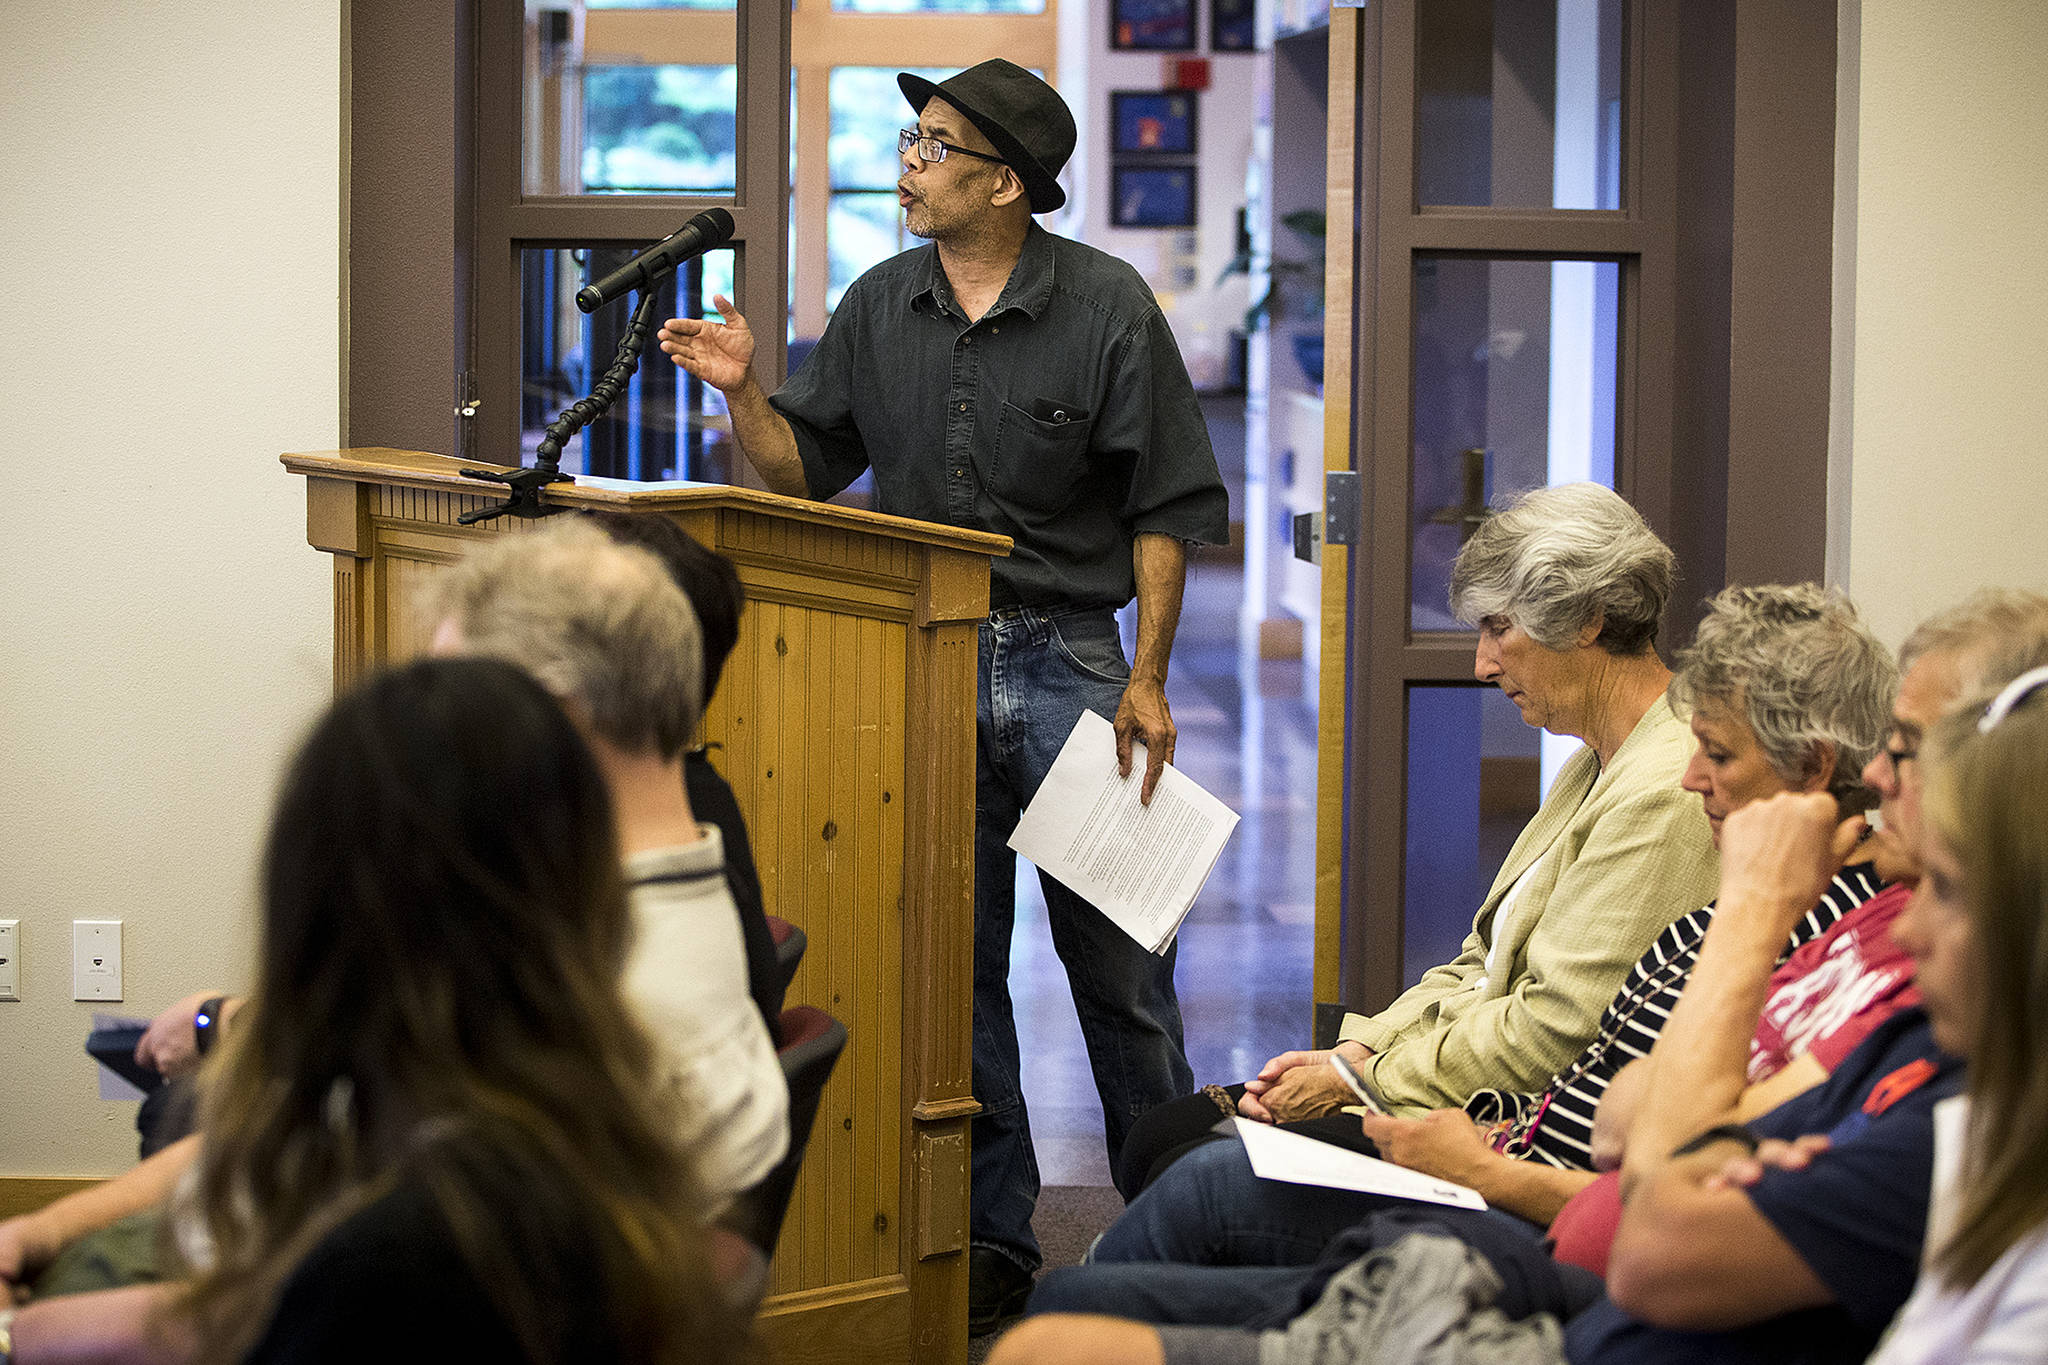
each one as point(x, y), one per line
point(845, 723)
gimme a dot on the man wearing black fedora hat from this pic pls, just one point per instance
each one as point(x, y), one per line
point(1009, 380)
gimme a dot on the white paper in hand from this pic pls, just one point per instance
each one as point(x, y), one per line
point(1277, 1154)
point(1140, 865)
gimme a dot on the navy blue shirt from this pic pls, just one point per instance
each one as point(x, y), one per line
point(1857, 1216)
point(1063, 417)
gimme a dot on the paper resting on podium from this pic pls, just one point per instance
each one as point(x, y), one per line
point(1140, 865)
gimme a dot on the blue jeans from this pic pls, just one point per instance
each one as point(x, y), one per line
point(1210, 1244)
point(1039, 671)
point(1271, 1296)
point(1208, 1209)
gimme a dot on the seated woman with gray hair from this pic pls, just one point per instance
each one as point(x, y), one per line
point(1567, 587)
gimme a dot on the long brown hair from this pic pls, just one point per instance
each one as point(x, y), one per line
point(1987, 798)
point(437, 1003)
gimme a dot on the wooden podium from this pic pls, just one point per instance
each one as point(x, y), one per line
point(845, 723)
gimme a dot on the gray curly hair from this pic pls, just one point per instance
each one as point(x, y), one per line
point(1994, 634)
point(1799, 667)
point(1555, 559)
point(598, 623)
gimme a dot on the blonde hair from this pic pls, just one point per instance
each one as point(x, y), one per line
point(1987, 799)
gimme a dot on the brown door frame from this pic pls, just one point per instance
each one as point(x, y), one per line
point(1724, 239)
point(1387, 657)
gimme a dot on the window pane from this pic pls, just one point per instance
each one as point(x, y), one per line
point(1474, 779)
point(644, 105)
point(654, 128)
point(666, 425)
point(1518, 103)
point(939, 6)
point(1516, 365)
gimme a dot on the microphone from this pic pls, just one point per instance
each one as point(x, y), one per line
point(710, 229)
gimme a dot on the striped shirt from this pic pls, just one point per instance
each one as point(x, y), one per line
point(1555, 1125)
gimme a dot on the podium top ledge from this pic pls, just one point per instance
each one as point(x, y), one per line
point(419, 469)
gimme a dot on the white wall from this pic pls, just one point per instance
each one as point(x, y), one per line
point(169, 323)
point(1948, 422)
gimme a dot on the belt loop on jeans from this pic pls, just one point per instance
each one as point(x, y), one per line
point(1004, 623)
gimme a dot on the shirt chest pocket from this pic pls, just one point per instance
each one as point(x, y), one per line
point(1040, 457)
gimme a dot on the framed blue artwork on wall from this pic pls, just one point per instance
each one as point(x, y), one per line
point(1233, 26)
point(1151, 196)
point(1148, 122)
point(1152, 25)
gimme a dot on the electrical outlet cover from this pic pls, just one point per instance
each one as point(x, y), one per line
point(10, 959)
point(95, 959)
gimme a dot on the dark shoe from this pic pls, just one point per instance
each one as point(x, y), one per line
point(996, 1290)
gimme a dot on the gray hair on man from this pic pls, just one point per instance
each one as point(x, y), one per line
point(1556, 559)
point(602, 625)
point(1991, 637)
point(1800, 667)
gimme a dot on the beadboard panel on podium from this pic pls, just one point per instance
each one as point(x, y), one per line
point(845, 723)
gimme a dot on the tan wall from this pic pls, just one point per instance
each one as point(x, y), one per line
point(1948, 485)
point(169, 189)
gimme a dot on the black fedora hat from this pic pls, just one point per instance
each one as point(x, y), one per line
point(1023, 118)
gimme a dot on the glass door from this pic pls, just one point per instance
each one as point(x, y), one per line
point(1511, 239)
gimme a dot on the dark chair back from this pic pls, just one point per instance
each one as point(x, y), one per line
point(811, 1043)
point(789, 948)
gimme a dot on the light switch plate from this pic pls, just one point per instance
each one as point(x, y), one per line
point(10, 959)
point(95, 959)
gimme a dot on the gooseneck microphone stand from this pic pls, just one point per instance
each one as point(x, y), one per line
point(526, 484)
point(646, 272)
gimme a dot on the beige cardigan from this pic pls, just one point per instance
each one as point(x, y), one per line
point(1629, 853)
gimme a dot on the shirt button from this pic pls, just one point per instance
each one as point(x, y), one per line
point(959, 473)
point(963, 407)
point(995, 331)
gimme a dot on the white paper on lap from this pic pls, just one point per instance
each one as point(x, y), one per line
point(1277, 1154)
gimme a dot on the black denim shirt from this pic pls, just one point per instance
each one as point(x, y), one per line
point(1063, 418)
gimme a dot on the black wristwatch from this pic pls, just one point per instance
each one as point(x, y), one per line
point(206, 1023)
